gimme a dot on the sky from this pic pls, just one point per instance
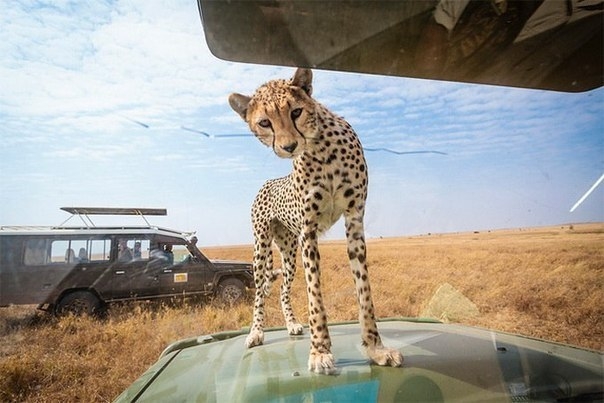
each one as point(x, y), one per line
point(101, 104)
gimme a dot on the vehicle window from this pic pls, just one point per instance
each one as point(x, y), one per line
point(45, 251)
point(60, 252)
point(36, 252)
point(130, 249)
point(181, 253)
point(141, 249)
point(99, 250)
point(80, 250)
point(164, 253)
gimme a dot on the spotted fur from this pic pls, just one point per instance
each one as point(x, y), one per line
point(328, 180)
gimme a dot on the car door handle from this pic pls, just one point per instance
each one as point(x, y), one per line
point(120, 272)
point(167, 271)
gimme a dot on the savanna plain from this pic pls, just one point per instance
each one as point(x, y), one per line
point(540, 282)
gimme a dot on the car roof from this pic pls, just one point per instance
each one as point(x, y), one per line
point(90, 228)
point(443, 362)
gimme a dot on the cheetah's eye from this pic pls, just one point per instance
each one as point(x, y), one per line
point(296, 112)
point(265, 123)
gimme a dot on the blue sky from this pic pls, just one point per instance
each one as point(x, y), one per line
point(77, 80)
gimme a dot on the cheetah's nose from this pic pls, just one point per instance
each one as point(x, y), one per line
point(290, 147)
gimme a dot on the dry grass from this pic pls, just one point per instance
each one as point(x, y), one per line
point(544, 283)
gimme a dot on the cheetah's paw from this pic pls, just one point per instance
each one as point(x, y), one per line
point(294, 329)
point(385, 356)
point(255, 338)
point(321, 363)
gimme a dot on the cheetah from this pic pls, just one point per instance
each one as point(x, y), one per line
point(328, 180)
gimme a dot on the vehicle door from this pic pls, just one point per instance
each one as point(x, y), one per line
point(186, 274)
point(130, 277)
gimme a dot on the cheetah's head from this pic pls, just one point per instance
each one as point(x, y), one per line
point(281, 113)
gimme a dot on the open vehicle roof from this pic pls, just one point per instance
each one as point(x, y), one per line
point(115, 211)
point(84, 212)
point(90, 228)
point(528, 43)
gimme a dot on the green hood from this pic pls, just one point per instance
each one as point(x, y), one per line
point(442, 363)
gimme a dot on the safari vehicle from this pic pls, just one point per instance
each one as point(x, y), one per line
point(443, 362)
point(82, 269)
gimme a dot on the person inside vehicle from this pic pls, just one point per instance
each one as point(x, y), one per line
point(137, 251)
point(193, 250)
point(70, 256)
point(169, 254)
point(82, 255)
point(124, 252)
point(463, 37)
point(471, 38)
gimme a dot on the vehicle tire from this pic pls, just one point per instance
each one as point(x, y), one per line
point(79, 303)
point(231, 290)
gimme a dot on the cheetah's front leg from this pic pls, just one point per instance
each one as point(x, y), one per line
point(370, 336)
point(320, 359)
point(287, 243)
point(262, 263)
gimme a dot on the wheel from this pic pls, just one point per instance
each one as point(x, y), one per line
point(231, 290)
point(79, 303)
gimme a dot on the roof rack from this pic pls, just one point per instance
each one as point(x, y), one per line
point(84, 212)
point(24, 227)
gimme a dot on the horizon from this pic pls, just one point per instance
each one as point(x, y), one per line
point(550, 227)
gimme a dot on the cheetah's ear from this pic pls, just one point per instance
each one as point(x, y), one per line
point(239, 104)
point(303, 79)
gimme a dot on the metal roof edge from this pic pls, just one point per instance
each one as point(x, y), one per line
point(45, 230)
